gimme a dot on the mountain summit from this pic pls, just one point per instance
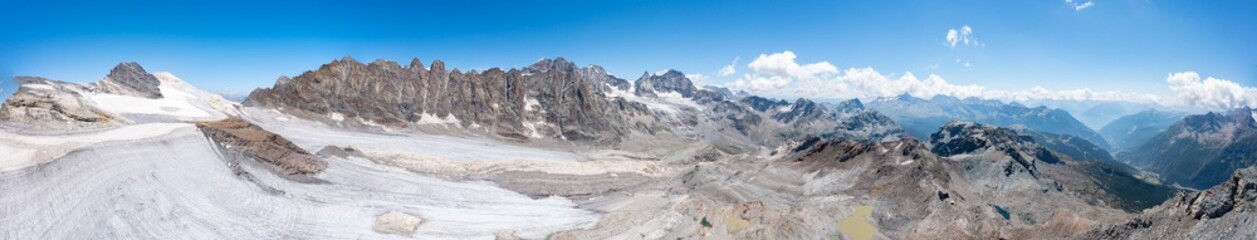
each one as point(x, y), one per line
point(129, 78)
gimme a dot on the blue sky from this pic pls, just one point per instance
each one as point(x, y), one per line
point(1117, 45)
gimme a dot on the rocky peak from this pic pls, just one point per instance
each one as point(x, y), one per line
point(959, 137)
point(763, 104)
point(901, 98)
point(1217, 128)
point(546, 65)
point(848, 106)
point(548, 99)
point(437, 66)
point(599, 79)
point(801, 110)
point(387, 65)
point(129, 78)
point(415, 64)
point(668, 81)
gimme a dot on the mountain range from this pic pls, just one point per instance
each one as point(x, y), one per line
point(1201, 150)
point(555, 150)
point(1130, 132)
point(920, 117)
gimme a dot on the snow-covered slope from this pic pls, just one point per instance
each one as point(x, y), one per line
point(179, 186)
point(179, 101)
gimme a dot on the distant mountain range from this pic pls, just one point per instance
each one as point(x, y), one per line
point(920, 117)
point(1201, 150)
point(1132, 131)
point(1094, 113)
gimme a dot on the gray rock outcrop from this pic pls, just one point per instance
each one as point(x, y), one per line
point(52, 105)
point(551, 98)
point(240, 135)
point(1225, 211)
point(129, 78)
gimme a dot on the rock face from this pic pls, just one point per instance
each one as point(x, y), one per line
point(130, 79)
point(921, 117)
point(1074, 147)
point(240, 135)
point(1225, 211)
point(917, 194)
point(967, 137)
point(1008, 159)
point(599, 79)
point(670, 81)
point(845, 120)
point(1201, 150)
point(1128, 133)
point(46, 104)
point(552, 98)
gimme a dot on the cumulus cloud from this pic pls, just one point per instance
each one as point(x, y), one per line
point(729, 69)
point(698, 79)
point(1081, 94)
point(1079, 6)
point(779, 75)
point(961, 37)
point(782, 64)
point(777, 70)
point(1211, 93)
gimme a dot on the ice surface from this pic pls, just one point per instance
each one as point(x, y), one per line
point(179, 100)
point(26, 150)
point(179, 186)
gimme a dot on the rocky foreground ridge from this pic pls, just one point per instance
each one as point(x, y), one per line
point(1225, 211)
point(41, 103)
point(236, 134)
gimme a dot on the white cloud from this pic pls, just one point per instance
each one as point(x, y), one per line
point(1211, 93)
point(1079, 6)
point(729, 69)
point(1084, 6)
point(962, 36)
point(778, 75)
point(782, 64)
point(698, 79)
point(1081, 94)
